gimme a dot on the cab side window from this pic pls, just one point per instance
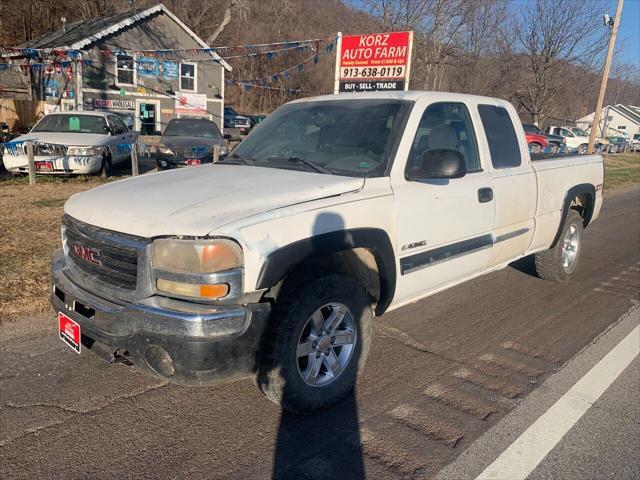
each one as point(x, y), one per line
point(120, 124)
point(501, 136)
point(113, 125)
point(448, 126)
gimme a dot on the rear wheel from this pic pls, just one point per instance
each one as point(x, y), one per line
point(535, 148)
point(582, 149)
point(560, 262)
point(320, 338)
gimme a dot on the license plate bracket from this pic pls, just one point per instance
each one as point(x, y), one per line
point(44, 165)
point(69, 332)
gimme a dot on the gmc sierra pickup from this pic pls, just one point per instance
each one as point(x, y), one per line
point(274, 262)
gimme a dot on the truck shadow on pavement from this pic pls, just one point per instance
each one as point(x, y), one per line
point(326, 444)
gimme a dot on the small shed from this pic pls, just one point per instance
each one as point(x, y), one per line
point(146, 66)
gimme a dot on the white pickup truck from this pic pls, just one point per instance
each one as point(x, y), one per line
point(72, 143)
point(274, 262)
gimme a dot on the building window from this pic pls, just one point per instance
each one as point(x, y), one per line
point(188, 77)
point(622, 127)
point(125, 70)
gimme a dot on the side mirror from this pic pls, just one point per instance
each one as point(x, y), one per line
point(227, 136)
point(106, 129)
point(439, 164)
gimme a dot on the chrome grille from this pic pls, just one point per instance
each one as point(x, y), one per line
point(110, 258)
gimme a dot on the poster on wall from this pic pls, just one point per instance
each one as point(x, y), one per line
point(194, 104)
point(152, 67)
point(373, 62)
point(51, 88)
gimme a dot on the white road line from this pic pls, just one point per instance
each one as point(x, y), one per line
point(530, 448)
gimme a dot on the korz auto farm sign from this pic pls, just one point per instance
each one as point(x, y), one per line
point(380, 61)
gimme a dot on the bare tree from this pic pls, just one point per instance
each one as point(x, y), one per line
point(544, 41)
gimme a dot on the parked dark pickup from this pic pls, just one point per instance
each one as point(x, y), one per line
point(233, 119)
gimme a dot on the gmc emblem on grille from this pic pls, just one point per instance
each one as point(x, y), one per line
point(87, 254)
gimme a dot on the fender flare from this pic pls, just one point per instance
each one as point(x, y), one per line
point(282, 261)
point(581, 189)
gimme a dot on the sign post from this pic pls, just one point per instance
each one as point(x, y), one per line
point(134, 159)
point(373, 62)
point(30, 163)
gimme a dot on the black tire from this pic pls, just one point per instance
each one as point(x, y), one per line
point(550, 264)
point(582, 149)
point(535, 148)
point(279, 377)
point(105, 168)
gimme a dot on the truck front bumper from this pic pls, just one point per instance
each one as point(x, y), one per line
point(178, 341)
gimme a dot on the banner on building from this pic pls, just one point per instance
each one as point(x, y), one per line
point(152, 67)
point(373, 62)
point(193, 104)
point(118, 104)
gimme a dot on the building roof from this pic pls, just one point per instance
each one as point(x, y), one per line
point(81, 34)
point(629, 112)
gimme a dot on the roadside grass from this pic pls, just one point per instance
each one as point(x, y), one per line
point(29, 233)
point(621, 170)
point(30, 230)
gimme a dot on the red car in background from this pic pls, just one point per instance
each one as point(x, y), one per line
point(537, 143)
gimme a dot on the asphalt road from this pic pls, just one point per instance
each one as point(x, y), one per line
point(441, 373)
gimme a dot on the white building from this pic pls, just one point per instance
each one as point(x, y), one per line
point(618, 120)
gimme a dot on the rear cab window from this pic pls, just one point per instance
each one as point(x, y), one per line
point(501, 136)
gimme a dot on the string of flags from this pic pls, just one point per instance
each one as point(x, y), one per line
point(284, 74)
point(236, 51)
point(250, 84)
point(61, 59)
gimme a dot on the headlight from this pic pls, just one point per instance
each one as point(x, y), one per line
point(84, 151)
point(184, 268)
point(165, 150)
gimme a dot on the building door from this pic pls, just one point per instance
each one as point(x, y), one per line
point(147, 115)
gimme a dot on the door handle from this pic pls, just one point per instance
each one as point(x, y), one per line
point(485, 194)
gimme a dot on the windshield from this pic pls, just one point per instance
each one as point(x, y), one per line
point(71, 123)
point(353, 138)
point(579, 132)
point(229, 111)
point(192, 128)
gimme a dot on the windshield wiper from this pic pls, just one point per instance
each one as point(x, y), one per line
point(307, 163)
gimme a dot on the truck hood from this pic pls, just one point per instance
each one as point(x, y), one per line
point(196, 200)
point(81, 139)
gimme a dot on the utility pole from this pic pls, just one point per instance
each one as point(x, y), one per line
point(613, 23)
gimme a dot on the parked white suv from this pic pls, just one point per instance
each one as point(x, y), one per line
point(72, 143)
point(274, 262)
point(577, 139)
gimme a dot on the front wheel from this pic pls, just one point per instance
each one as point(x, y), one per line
point(560, 262)
point(319, 340)
point(105, 168)
point(582, 149)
